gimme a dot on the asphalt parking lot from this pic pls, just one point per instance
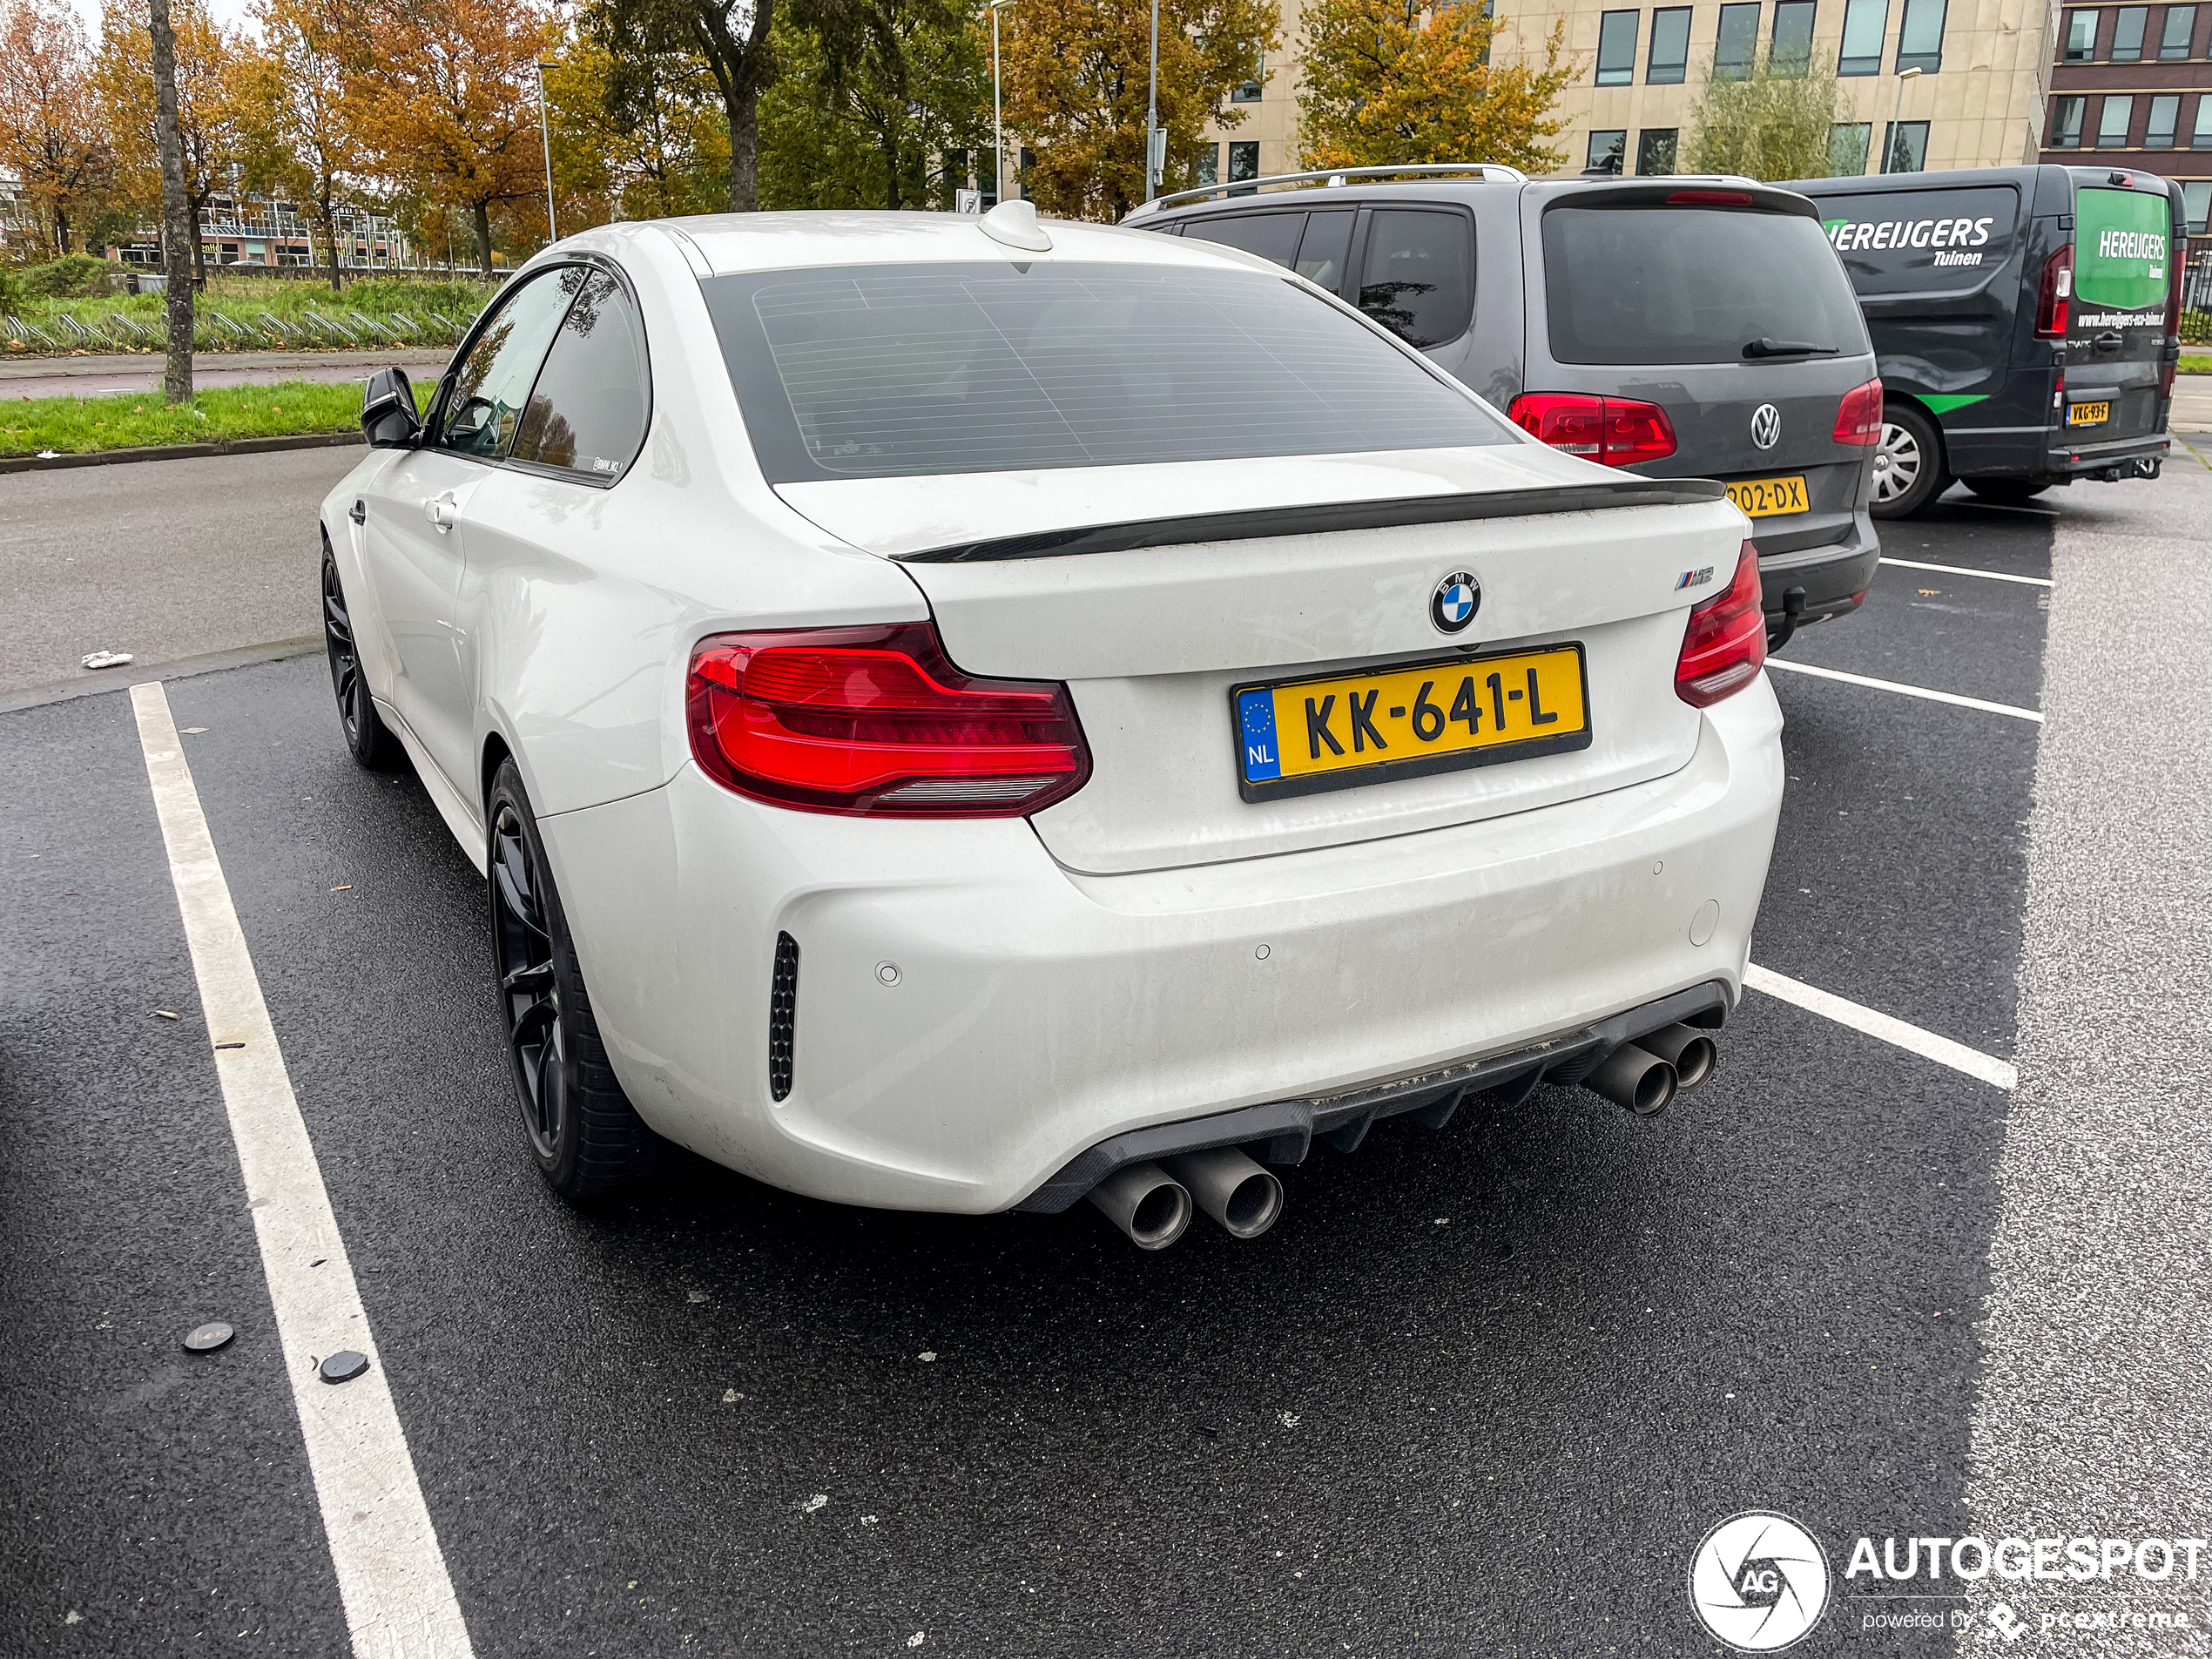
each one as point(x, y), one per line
point(1481, 1392)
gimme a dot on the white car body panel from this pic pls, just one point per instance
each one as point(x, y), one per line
point(1095, 968)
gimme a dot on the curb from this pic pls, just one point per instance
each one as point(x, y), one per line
point(100, 681)
point(181, 451)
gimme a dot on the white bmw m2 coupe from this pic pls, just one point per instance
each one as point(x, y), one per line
point(973, 714)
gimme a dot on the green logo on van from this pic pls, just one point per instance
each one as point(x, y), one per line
point(2121, 249)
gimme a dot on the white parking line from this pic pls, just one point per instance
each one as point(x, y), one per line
point(1910, 690)
point(1957, 1055)
point(391, 1577)
point(1964, 570)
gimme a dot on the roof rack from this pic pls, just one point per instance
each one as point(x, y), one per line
point(1488, 171)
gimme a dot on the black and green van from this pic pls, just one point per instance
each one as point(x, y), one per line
point(2025, 320)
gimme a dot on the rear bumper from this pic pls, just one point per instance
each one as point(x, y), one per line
point(1831, 580)
point(2124, 456)
point(972, 1018)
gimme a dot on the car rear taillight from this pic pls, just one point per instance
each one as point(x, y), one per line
point(1858, 417)
point(1724, 647)
point(2058, 291)
point(1618, 431)
point(1711, 198)
point(875, 722)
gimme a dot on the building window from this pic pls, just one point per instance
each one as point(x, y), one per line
point(1205, 167)
point(1738, 41)
point(2197, 202)
point(1791, 52)
point(1605, 150)
point(2080, 37)
point(2203, 139)
point(1848, 143)
point(1244, 163)
point(1655, 148)
point(1248, 92)
point(2165, 116)
point(1027, 167)
point(1669, 61)
point(1864, 23)
point(1616, 48)
point(1904, 147)
point(1919, 43)
point(2065, 122)
point(2127, 34)
point(2113, 121)
point(2180, 28)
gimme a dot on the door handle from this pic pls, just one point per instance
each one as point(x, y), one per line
point(358, 512)
point(441, 511)
point(2108, 340)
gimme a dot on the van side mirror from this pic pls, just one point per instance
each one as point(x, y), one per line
point(388, 417)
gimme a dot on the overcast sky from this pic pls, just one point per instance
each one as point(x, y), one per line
point(231, 12)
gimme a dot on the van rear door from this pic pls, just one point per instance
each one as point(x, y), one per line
point(2115, 335)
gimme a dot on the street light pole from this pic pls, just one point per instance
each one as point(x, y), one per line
point(1152, 114)
point(1897, 113)
point(545, 143)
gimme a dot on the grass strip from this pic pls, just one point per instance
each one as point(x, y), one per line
point(139, 420)
point(2196, 365)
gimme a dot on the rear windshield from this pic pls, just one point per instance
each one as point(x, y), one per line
point(1692, 285)
point(896, 371)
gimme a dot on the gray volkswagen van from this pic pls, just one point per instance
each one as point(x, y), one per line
point(2027, 320)
point(1677, 327)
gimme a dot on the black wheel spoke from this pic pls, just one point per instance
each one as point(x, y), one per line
point(530, 988)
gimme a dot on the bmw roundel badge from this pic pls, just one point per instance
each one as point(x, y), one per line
point(1455, 601)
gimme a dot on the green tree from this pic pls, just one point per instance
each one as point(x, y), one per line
point(1408, 81)
point(1777, 122)
point(728, 38)
point(644, 140)
point(1076, 74)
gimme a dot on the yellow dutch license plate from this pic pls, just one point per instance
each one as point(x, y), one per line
point(2088, 413)
point(1300, 737)
point(1770, 497)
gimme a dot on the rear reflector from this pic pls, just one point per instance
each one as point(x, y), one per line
point(875, 722)
point(1724, 647)
point(1617, 431)
point(1858, 417)
point(2058, 293)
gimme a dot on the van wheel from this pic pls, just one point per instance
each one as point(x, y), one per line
point(1908, 471)
point(2006, 492)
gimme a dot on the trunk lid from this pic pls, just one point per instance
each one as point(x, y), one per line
point(1245, 571)
point(2123, 268)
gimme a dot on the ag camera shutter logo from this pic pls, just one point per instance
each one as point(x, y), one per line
point(1758, 1583)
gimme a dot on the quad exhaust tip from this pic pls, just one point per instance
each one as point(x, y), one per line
point(1635, 1078)
point(1689, 1050)
point(1150, 1205)
point(1244, 1198)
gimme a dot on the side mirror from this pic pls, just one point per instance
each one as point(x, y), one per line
point(388, 417)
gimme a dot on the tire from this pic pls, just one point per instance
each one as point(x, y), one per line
point(586, 1138)
point(2006, 492)
point(1909, 471)
point(366, 736)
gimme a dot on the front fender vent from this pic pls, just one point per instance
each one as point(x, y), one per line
point(783, 1016)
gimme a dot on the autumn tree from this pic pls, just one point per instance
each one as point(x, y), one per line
point(1390, 81)
point(210, 133)
point(1776, 122)
point(301, 139)
point(52, 136)
point(729, 39)
point(1076, 77)
point(445, 104)
point(890, 89)
point(657, 150)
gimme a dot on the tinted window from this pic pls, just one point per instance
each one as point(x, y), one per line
point(2080, 37)
point(1914, 241)
point(1608, 145)
point(493, 381)
point(1655, 148)
point(2127, 34)
point(1919, 40)
point(1739, 40)
point(2174, 38)
point(1272, 236)
point(2065, 122)
point(1418, 279)
point(1322, 251)
point(898, 371)
point(1670, 46)
point(1616, 48)
point(587, 412)
point(1865, 22)
point(1793, 48)
point(1848, 142)
point(1685, 285)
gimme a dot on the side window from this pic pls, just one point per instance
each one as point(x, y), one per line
point(494, 378)
point(1272, 236)
point(587, 413)
point(1418, 277)
point(1322, 252)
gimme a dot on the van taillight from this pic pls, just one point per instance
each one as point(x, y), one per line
point(1618, 431)
point(1724, 647)
point(1858, 417)
point(2058, 293)
point(875, 722)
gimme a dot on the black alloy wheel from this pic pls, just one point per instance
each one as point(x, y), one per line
point(583, 1134)
point(366, 736)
